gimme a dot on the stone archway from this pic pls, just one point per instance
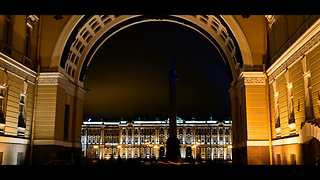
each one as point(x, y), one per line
point(83, 35)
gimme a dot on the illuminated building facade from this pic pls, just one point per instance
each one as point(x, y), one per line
point(202, 139)
point(274, 62)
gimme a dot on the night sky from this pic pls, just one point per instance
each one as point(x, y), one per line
point(129, 73)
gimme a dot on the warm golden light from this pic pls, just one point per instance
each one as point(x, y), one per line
point(95, 146)
point(292, 126)
point(119, 146)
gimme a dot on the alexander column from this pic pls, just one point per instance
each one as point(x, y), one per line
point(173, 144)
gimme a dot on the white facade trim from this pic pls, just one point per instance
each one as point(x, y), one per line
point(13, 140)
point(286, 141)
point(253, 78)
point(299, 48)
point(16, 68)
point(257, 143)
point(58, 79)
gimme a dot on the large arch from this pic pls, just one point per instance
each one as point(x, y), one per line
point(82, 36)
point(84, 33)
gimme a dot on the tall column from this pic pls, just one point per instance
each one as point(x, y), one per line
point(58, 118)
point(239, 137)
point(255, 108)
point(173, 146)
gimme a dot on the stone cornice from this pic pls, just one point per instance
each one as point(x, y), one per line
point(59, 79)
point(14, 67)
point(253, 78)
point(296, 51)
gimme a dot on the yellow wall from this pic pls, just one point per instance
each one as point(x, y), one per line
point(285, 151)
point(19, 30)
point(45, 112)
point(50, 30)
point(256, 107)
point(283, 29)
point(313, 59)
point(15, 88)
point(256, 36)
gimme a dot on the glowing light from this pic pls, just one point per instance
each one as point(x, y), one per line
point(292, 126)
point(119, 146)
point(95, 146)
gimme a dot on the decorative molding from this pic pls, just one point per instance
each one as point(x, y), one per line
point(286, 141)
point(220, 28)
point(253, 78)
point(309, 40)
point(49, 78)
point(13, 140)
point(258, 143)
point(56, 79)
point(32, 20)
point(56, 142)
point(271, 19)
point(14, 67)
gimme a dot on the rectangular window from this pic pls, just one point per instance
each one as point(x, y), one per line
point(66, 122)
point(20, 158)
point(1, 156)
point(278, 159)
point(7, 35)
point(21, 118)
point(293, 159)
point(2, 107)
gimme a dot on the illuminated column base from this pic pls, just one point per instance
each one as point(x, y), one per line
point(255, 132)
point(51, 141)
point(258, 153)
point(289, 151)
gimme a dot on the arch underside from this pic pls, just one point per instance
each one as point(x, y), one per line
point(90, 32)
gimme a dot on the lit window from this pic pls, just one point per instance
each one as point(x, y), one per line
point(21, 117)
point(2, 108)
